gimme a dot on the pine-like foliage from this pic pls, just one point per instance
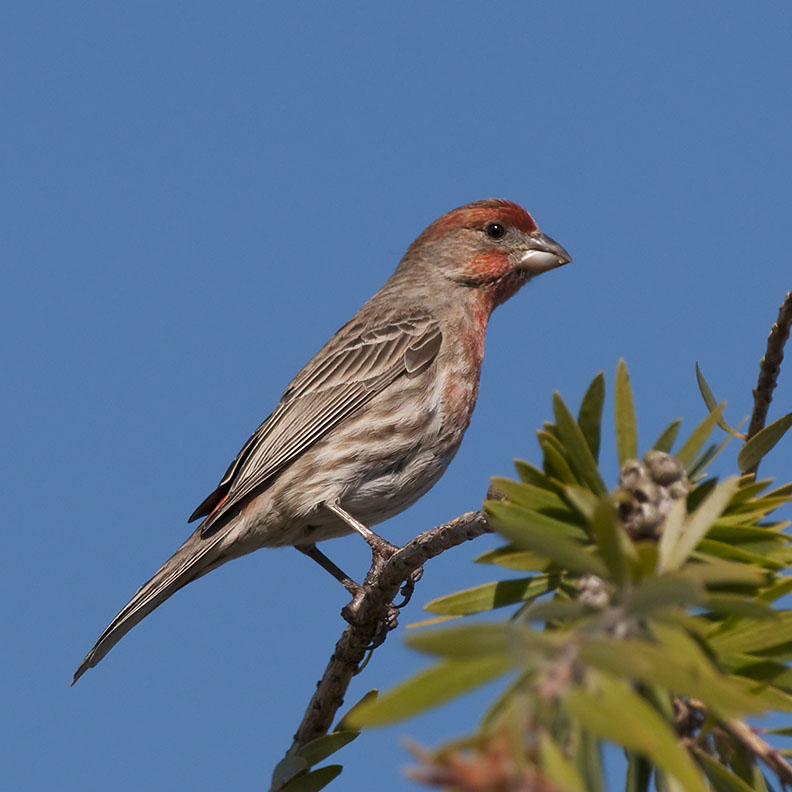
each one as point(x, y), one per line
point(646, 617)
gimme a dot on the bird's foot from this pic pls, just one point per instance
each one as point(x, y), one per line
point(409, 587)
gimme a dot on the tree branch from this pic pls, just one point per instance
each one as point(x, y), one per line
point(760, 749)
point(769, 368)
point(368, 614)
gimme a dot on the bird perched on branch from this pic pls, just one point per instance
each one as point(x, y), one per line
point(374, 418)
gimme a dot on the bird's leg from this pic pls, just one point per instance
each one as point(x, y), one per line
point(317, 555)
point(380, 546)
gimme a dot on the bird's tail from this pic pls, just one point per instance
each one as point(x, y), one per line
point(197, 556)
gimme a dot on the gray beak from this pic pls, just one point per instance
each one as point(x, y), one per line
point(542, 254)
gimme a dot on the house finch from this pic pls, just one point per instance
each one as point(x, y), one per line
point(374, 418)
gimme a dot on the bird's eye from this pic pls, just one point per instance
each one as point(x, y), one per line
point(495, 231)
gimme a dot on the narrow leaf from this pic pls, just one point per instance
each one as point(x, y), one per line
point(589, 762)
point(710, 401)
point(751, 636)
point(493, 595)
point(639, 773)
point(555, 462)
point(697, 524)
point(578, 453)
point(590, 413)
point(714, 572)
point(346, 719)
point(722, 779)
point(736, 553)
point(666, 440)
point(700, 434)
point(753, 451)
point(532, 475)
point(523, 519)
point(557, 610)
point(528, 495)
point(671, 536)
point(617, 713)
point(557, 767)
point(510, 557)
point(624, 412)
point(480, 640)
point(567, 553)
point(320, 748)
point(286, 770)
point(735, 605)
point(662, 591)
point(778, 589)
point(431, 688)
point(615, 547)
point(315, 780)
point(581, 499)
point(657, 665)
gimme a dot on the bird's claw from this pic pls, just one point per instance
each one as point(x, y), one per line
point(389, 622)
point(409, 587)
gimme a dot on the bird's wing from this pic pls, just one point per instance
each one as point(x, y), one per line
point(337, 382)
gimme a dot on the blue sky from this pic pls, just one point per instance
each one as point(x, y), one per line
point(196, 195)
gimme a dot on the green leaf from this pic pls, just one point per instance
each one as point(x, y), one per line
point(522, 519)
point(654, 664)
point(695, 468)
point(557, 767)
point(639, 773)
point(590, 413)
point(557, 610)
point(710, 401)
point(583, 500)
point(344, 723)
point(662, 591)
point(510, 557)
point(615, 547)
point(737, 553)
point(624, 413)
point(714, 571)
point(540, 538)
point(532, 475)
point(315, 780)
point(778, 589)
point(784, 731)
point(700, 434)
point(431, 688)
point(480, 640)
point(617, 713)
point(749, 488)
point(589, 762)
point(488, 596)
point(287, 769)
point(528, 495)
point(735, 605)
point(721, 778)
point(752, 452)
point(555, 462)
point(673, 526)
point(666, 440)
point(510, 698)
point(675, 550)
point(578, 453)
point(320, 748)
point(753, 636)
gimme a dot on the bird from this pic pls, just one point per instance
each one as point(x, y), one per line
point(372, 421)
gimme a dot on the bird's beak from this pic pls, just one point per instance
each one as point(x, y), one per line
point(542, 254)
